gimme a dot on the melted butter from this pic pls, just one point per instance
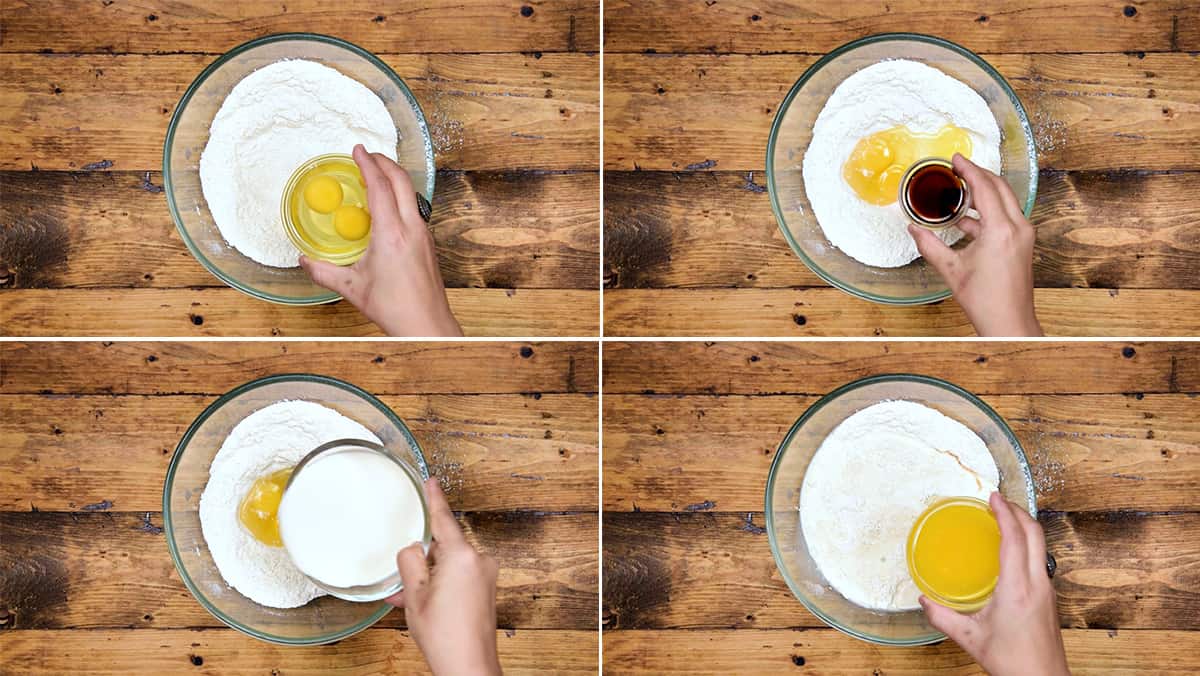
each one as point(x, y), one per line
point(259, 511)
point(878, 161)
point(954, 552)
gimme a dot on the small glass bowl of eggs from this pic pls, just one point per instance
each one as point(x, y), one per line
point(324, 209)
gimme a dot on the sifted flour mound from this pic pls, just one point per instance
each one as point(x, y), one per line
point(274, 120)
point(881, 96)
point(867, 484)
point(268, 440)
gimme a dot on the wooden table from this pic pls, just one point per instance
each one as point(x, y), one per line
point(87, 584)
point(690, 429)
point(87, 244)
point(691, 89)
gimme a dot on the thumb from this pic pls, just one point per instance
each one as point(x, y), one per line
point(333, 277)
point(958, 627)
point(414, 571)
point(934, 250)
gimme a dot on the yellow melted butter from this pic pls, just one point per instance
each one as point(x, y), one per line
point(259, 511)
point(954, 551)
point(878, 161)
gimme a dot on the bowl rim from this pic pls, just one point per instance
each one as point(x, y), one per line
point(1031, 493)
point(321, 298)
point(812, 70)
point(168, 482)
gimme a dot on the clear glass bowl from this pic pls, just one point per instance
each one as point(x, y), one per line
point(392, 584)
point(915, 283)
point(188, 134)
point(787, 476)
point(324, 619)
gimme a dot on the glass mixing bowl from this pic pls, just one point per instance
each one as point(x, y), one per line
point(787, 477)
point(188, 134)
point(916, 282)
point(324, 619)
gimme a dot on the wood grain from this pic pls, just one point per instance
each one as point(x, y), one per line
point(1088, 111)
point(224, 651)
point(113, 230)
point(487, 112)
point(213, 368)
point(213, 27)
point(1088, 452)
point(1127, 570)
point(984, 368)
point(108, 570)
point(830, 312)
point(498, 452)
point(746, 26)
point(227, 312)
point(753, 651)
point(1111, 229)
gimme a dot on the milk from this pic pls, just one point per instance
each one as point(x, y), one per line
point(345, 516)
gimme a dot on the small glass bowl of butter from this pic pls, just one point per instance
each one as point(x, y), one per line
point(953, 553)
point(324, 209)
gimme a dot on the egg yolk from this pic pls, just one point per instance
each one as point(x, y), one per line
point(351, 222)
point(259, 511)
point(323, 194)
point(878, 162)
point(954, 551)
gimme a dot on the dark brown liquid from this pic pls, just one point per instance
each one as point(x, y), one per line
point(934, 193)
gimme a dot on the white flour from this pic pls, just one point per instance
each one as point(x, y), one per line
point(268, 440)
point(867, 484)
point(881, 96)
point(274, 120)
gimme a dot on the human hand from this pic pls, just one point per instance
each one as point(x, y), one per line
point(992, 277)
point(1017, 632)
point(450, 610)
point(396, 283)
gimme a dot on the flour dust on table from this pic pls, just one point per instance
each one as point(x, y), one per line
point(877, 123)
point(267, 441)
point(274, 120)
point(867, 484)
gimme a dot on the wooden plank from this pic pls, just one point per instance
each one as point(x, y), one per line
point(493, 452)
point(747, 26)
point(214, 27)
point(109, 570)
point(984, 368)
point(486, 112)
point(113, 229)
point(227, 312)
point(716, 229)
point(829, 652)
point(225, 651)
point(379, 367)
point(1088, 452)
point(1088, 111)
point(830, 312)
point(1127, 570)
